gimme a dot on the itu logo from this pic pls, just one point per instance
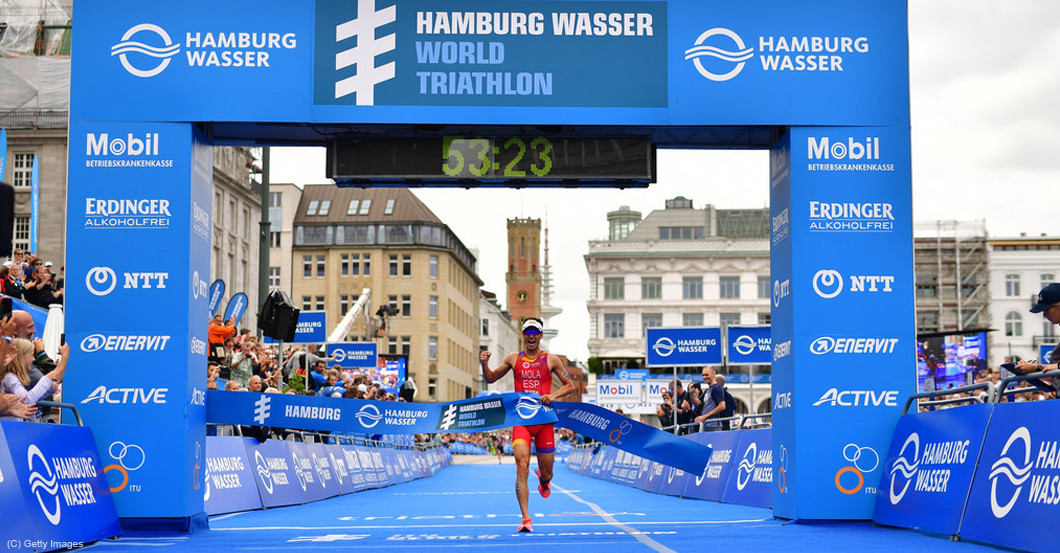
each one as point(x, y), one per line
point(368, 416)
point(363, 30)
point(44, 484)
point(153, 34)
point(904, 467)
point(705, 47)
point(664, 347)
point(863, 460)
point(1016, 474)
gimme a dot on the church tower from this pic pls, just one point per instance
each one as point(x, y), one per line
point(524, 269)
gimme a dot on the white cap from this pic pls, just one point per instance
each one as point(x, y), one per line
point(362, 387)
point(48, 264)
point(531, 323)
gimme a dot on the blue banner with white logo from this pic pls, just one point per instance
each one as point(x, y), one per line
point(751, 481)
point(312, 327)
point(357, 355)
point(710, 482)
point(313, 477)
point(230, 478)
point(236, 307)
point(631, 374)
point(1044, 353)
point(34, 203)
point(684, 347)
point(52, 485)
point(217, 291)
point(929, 468)
point(749, 345)
point(3, 151)
point(275, 474)
point(1016, 488)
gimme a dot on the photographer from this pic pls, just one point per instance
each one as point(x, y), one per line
point(665, 412)
point(1049, 306)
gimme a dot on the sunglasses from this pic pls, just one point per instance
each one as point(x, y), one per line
point(531, 332)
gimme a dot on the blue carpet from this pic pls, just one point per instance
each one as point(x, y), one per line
point(473, 507)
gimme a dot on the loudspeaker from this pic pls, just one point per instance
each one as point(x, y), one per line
point(278, 317)
point(7, 218)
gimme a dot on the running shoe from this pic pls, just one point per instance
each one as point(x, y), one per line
point(545, 489)
point(525, 526)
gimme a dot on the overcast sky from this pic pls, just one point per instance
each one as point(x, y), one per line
point(985, 100)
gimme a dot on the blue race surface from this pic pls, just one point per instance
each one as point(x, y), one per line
point(473, 507)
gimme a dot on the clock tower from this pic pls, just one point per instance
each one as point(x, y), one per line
point(524, 269)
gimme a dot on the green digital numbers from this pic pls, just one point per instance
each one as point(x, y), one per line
point(479, 158)
point(452, 158)
point(509, 169)
point(544, 156)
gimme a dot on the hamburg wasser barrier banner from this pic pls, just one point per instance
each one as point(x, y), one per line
point(470, 415)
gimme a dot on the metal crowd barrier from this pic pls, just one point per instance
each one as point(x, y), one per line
point(59, 405)
point(991, 396)
point(1038, 386)
point(694, 427)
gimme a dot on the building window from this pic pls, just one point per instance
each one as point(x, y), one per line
point(692, 288)
point(614, 288)
point(406, 265)
point(434, 266)
point(651, 288)
point(433, 308)
point(325, 207)
point(321, 265)
point(352, 208)
point(366, 265)
point(730, 319)
point(344, 305)
point(320, 303)
point(730, 287)
point(275, 199)
point(432, 389)
point(21, 235)
point(307, 266)
point(485, 327)
point(680, 233)
point(365, 206)
point(614, 326)
point(650, 320)
point(307, 303)
point(763, 318)
point(393, 265)
point(274, 277)
point(432, 347)
point(391, 345)
point(1047, 278)
point(927, 286)
point(764, 289)
point(21, 170)
point(274, 239)
point(344, 264)
point(406, 306)
point(389, 209)
point(312, 209)
point(691, 319)
point(927, 320)
point(1013, 324)
point(406, 346)
point(1012, 285)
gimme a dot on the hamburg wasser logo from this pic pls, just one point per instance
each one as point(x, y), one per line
point(746, 467)
point(152, 59)
point(44, 484)
point(733, 59)
point(368, 416)
point(664, 347)
point(904, 467)
point(360, 32)
point(1015, 471)
point(527, 407)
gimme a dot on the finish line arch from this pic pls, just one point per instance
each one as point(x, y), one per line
point(823, 85)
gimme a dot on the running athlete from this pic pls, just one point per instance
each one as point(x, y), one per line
point(533, 373)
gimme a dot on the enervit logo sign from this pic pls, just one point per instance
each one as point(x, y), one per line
point(527, 407)
point(863, 460)
point(161, 54)
point(783, 53)
point(368, 416)
point(198, 347)
point(782, 350)
point(199, 287)
point(781, 290)
point(126, 213)
point(152, 49)
point(857, 346)
point(828, 283)
point(858, 398)
point(262, 409)
point(851, 216)
point(44, 484)
point(127, 396)
point(1015, 472)
point(101, 281)
point(664, 347)
point(125, 342)
point(362, 30)
point(704, 46)
point(746, 468)
point(905, 468)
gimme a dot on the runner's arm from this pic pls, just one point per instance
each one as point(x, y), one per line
point(491, 376)
point(557, 368)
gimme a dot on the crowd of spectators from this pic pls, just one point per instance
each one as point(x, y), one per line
point(30, 279)
point(27, 373)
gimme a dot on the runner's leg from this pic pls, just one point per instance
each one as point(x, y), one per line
point(522, 472)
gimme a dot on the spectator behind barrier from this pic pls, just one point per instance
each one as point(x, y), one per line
point(13, 285)
point(1049, 306)
point(712, 404)
point(665, 411)
point(17, 354)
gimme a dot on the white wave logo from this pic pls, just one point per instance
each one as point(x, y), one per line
point(321, 469)
point(664, 347)
point(738, 57)
point(298, 470)
point(744, 344)
point(340, 355)
point(101, 280)
point(363, 55)
point(904, 467)
point(747, 466)
point(1007, 467)
point(49, 484)
point(162, 53)
point(527, 407)
point(263, 471)
point(828, 283)
point(369, 413)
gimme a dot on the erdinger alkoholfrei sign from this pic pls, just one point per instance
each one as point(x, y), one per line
point(147, 80)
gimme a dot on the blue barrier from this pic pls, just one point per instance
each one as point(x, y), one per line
point(52, 488)
point(230, 476)
point(751, 483)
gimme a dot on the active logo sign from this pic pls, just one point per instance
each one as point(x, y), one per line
point(835, 397)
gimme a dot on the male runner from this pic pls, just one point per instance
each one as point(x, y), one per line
point(533, 374)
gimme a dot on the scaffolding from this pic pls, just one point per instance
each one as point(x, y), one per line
point(951, 261)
